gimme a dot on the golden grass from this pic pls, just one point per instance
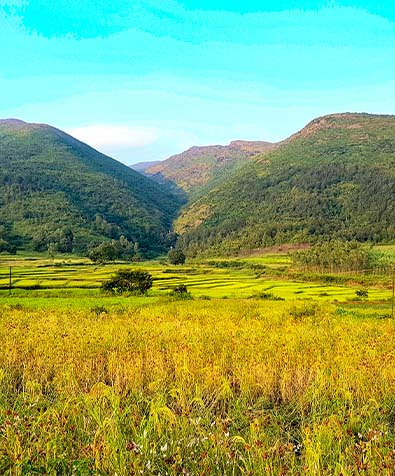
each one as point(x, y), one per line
point(197, 388)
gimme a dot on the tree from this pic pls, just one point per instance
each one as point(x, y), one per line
point(176, 256)
point(129, 281)
point(51, 250)
point(6, 247)
point(112, 250)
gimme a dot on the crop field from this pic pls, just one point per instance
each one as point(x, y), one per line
point(229, 387)
point(234, 279)
point(234, 381)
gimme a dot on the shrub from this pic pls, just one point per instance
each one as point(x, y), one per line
point(176, 257)
point(301, 311)
point(129, 281)
point(362, 293)
point(181, 292)
point(267, 296)
point(99, 310)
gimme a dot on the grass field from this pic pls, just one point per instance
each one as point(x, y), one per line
point(196, 387)
point(94, 384)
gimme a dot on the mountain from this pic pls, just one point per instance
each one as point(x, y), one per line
point(141, 167)
point(54, 188)
point(334, 178)
point(197, 169)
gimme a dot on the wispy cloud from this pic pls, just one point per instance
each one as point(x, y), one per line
point(116, 136)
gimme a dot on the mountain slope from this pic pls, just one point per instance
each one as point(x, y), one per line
point(141, 167)
point(52, 184)
point(197, 169)
point(335, 178)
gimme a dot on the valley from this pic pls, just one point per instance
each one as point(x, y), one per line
point(270, 351)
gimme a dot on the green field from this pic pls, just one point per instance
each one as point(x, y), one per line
point(223, 278)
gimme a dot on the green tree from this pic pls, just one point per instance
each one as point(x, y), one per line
point(51, 250)
point(129, 281)
point(176, 256)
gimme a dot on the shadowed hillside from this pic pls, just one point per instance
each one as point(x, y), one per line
point(54, 188)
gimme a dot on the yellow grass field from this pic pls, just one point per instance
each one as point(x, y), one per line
point(218, 387)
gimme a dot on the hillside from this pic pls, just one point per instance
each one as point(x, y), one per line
point(141, 167)
point(335, 178)
point(197, 169)
point(56, 189)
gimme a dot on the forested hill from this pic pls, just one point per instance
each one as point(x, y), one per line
point(56, 189)
point(333, 179)
point(199, 168)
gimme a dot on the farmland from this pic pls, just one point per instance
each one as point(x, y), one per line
point(231, 382)
point(218, 279)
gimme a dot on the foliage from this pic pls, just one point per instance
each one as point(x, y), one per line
point(114, 250)
point(56, 189)
point(129, 281)
point(336, 255)
point(79, 275)
point(362, 293)
point(6, 247)
point(176, 256)
point(267, 296)
point(181, 292)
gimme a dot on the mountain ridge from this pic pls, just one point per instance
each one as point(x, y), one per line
point(49, 180)
point(333, 178)
point(192, 170)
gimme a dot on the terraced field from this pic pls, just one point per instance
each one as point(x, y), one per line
point(237, 278)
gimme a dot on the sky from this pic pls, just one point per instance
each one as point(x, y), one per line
point(142, 80)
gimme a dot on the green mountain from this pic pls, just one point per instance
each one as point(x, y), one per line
point(56, 189)
point(198, 169)
point(333, 179)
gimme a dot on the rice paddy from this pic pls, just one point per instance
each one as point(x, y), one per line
point(242, 279)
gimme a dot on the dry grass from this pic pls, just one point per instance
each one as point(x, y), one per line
point(198, 388)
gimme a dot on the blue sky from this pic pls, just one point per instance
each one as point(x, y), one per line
point(146, 79)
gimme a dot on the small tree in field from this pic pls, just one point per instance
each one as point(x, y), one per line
point(176, 257)
point(129, 281)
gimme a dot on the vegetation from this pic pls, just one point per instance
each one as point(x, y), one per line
point(191, 387)
point(282, 364)
point(333, 180)
point(198, 169)
point(336, 255)
point(128, 281)
point(55, 189)
point(113, 250)
point(39, 276)
point(176, 256)
point(181, 292)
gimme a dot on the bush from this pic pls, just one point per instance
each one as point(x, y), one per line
point(301, 311)
point(129, 281)
point(99, 310)
point(267, 296)
point(181, 292)
point(176, 257)
point(362, 293)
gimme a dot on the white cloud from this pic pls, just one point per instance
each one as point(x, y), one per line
point(115, 136)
